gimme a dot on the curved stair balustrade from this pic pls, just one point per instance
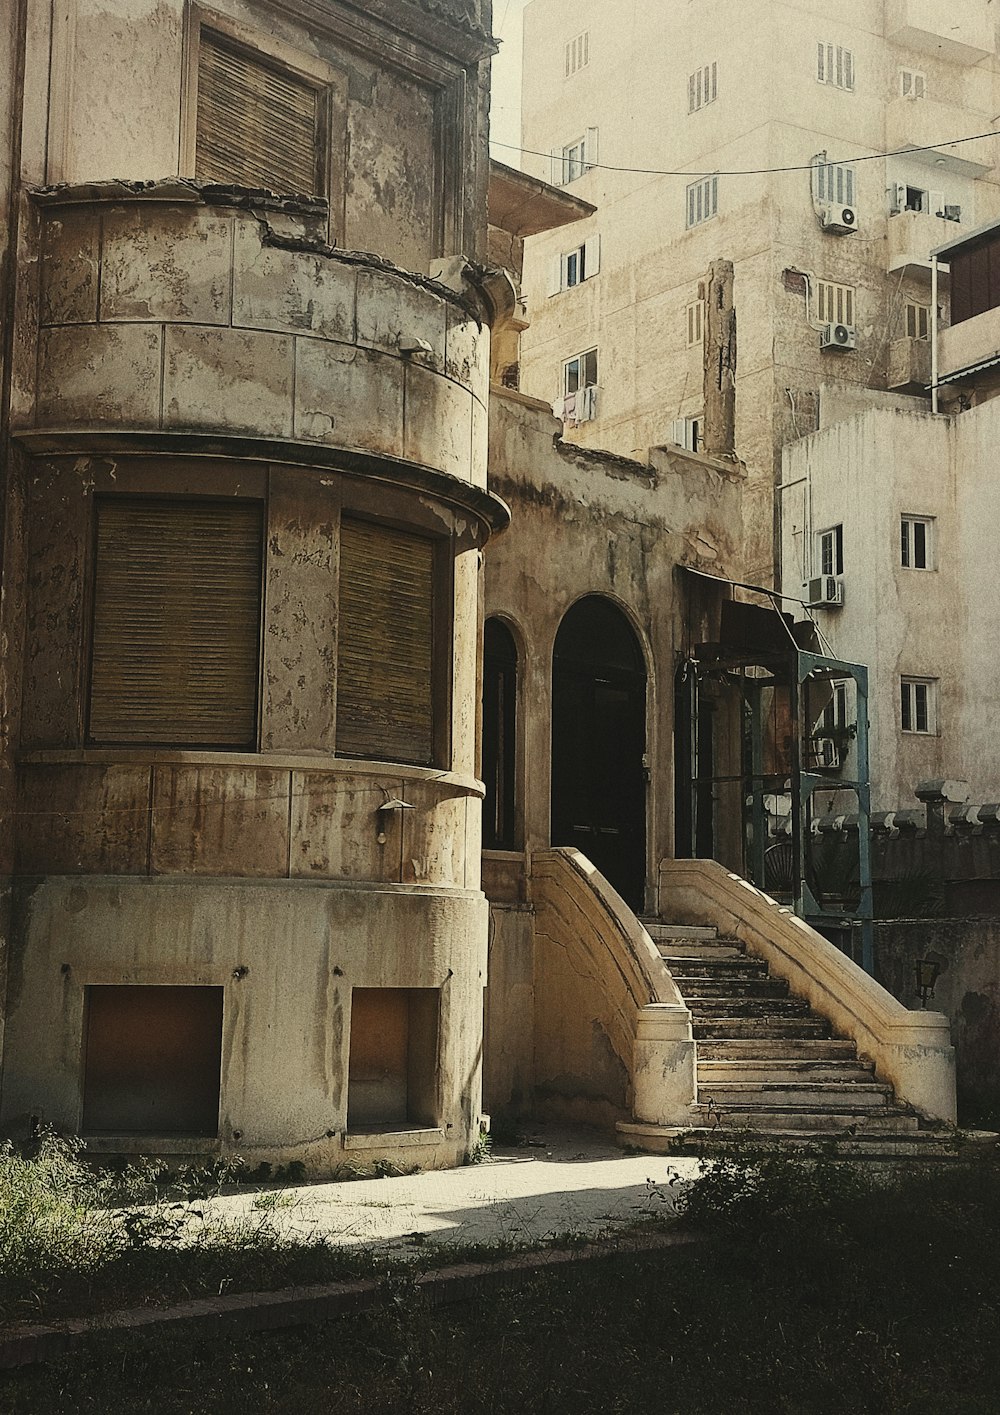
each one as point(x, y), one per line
point(910, 1051)
point(613, 1033)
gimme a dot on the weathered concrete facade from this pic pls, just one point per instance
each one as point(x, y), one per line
point(586, 525)
point(200, 356)
point(866, 471)
point(739, 92)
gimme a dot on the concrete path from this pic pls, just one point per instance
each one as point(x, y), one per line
point(558, 1184)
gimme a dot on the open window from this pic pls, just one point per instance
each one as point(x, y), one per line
point(392, 1074)
point(152, 1060)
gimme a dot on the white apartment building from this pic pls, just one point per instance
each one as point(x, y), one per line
point(832, 277)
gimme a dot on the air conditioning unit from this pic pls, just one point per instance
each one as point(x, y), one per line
point(839, 336)
point(839, 220)
point(825, 592)
point(825, 754)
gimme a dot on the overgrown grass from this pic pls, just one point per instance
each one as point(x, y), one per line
point(75, 1239)
point(821, 1287)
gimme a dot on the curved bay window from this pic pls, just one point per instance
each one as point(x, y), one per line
point(499, 736)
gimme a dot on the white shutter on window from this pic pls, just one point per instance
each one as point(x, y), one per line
point(591, 152)
point(557, 176)
point(556, 274)
point(592, 255)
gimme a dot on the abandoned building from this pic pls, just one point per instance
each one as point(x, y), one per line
point(274, 670)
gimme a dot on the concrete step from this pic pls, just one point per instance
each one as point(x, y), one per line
point(814, 1095)
point(745, 989)
point(799, 1118)
point(765, 1007)
point(693, 970)
point(934, 1146)
point(771, 1029)
point(661, 932)
point(780, 1072)
point(755, 1050)
point(699, 953)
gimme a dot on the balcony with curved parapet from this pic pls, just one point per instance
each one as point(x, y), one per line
point(184, 312)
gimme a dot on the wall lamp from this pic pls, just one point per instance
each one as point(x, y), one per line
point(927, 972)
point(409, 347)
point(392, 803)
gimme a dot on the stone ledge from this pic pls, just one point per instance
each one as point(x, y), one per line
point(25, 1345)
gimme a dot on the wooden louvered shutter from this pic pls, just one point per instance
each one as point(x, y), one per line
point(384, 662)
point(176, 638)
point(258, 125)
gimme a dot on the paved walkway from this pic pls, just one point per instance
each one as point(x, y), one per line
point(559, 1183)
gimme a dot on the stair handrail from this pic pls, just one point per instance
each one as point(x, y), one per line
point(910, 1050)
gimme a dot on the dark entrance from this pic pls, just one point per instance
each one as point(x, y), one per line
point(598, 744)
point(499, 736)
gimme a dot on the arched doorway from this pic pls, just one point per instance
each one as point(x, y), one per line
point(499, 736)
point(599, 742)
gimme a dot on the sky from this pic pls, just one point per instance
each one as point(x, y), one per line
point(505, 111)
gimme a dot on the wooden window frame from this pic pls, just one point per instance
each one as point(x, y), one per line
point(442, 628)
point(165, 498)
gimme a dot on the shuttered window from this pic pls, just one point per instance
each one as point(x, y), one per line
point(385, 655)
point(258, 125)
point(176, 623)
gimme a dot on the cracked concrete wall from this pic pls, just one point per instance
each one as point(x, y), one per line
point(588, 523)
point(404, 95)
point(171, 346)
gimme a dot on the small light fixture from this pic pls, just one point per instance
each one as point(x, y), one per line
point(391, 803)
point(410, 346)
point(927, 971)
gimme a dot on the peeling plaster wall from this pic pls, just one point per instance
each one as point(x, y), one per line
point(967, 992)
point(583, 523)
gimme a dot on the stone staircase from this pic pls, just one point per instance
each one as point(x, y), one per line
point(767, 1063)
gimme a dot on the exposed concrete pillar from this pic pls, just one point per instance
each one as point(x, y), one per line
point(720, 362)
point(663, 1071)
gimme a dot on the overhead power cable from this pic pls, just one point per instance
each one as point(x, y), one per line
point(754, 171)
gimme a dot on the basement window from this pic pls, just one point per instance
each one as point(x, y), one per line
point(392, 1073)
point(152, 1060)
point(918, 706)
point(259, 124)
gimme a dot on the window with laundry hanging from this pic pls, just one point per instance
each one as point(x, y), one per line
point(259, 124)
point(175, 644)
point(386, 688)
